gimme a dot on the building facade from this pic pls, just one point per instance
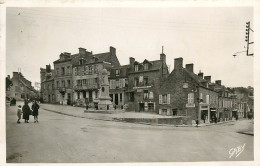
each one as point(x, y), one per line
point(184, 93)
point(144, 80)
point(21, 88)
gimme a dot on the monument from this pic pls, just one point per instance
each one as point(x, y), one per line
point(104, 99)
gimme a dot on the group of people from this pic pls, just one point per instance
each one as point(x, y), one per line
point(26, 111)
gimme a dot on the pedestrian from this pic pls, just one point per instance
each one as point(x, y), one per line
point(19, 113)
point(35, 109)
point(197, 123)
point(26, 112)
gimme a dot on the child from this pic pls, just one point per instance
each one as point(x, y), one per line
point(19, 113)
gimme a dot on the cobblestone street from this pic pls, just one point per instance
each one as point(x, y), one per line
point(61, 138)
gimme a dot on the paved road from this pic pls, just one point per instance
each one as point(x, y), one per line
point(60, 139)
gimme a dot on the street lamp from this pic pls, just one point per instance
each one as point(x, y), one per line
point(235, 54)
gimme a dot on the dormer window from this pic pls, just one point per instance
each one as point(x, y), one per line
point(146, 66)
point(81, 61)
point(136, 67)
point(117, 72)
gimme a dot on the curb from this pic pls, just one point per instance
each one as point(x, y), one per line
point(117, 120)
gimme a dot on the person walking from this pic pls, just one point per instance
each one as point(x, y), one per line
point(19, 113)
point(35, 108)
point(26, 112)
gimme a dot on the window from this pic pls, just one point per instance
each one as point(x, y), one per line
point(63, 84)
point(145, 81)
point(57, 71)
point(121, 97)
point(146, 66)
point(136, 81)
point(78, 94)
point(57, 83)
point(52, 86)
point(96, 80)
point(136, 67)
point(146, 94)
point(97, 93)
point(132, 96)
point(81, 61)
point(76, 71)
point(68, 82)
point(78, 82)
point(90, 70)
point(201, 97)
point(164, 99)
point(84, 82)
point(190, 98)
point(68, 70)
point(117, 72)
point(63, 70)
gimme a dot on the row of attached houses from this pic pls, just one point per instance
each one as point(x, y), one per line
point(145, 86)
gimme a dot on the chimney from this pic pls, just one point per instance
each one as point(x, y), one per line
point(189, 67)
point(208, 78)
point(218, 82)
point(200, 75)
point(112, 50)
point(163, 57)
point(178, 63)
point(82, 51)
point(8, 76)
point(131, 60)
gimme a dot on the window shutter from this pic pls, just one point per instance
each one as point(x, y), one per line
point(120, 83)
point(160, 99)
point(189, 98)
point(207, 99)
point(192, 98)
point(123, 82)
point(168, 98)
point(110, 84)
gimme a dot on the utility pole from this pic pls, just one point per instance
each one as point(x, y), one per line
point(248, 29)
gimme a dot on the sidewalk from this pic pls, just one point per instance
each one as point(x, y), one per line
point(118, 116)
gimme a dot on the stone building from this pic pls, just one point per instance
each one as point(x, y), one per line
point(47, 85)
point(87, 69)
point(118, 85)
point(184, 93)
point(226, 101)
point(144, 79)
point(63, 79)
point(21, 88)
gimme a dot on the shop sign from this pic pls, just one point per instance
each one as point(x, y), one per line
point(190, 105)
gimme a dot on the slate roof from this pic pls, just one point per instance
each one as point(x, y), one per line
point(155, 65)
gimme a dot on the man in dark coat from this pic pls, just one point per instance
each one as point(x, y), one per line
point(35, 108)
point(26, 112)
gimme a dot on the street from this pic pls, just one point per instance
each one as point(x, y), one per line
point(60, 138)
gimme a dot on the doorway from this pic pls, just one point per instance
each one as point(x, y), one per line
point(116, 99)
point(141, 107)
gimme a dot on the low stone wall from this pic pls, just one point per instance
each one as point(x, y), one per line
point(171, 121)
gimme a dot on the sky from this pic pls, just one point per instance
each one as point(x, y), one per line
point(206, 37)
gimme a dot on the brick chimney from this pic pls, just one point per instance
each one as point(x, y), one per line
point(208, 78)
point(163, 57)
point(178, 63)
point(82, 51)
point(131, 60)
point(218, 82)
point(200, 75)
point(112, 50)
point(189, 67)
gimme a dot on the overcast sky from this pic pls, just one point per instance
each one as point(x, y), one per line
point(207, 37)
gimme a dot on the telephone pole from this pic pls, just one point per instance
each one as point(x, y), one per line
point(248, 29)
